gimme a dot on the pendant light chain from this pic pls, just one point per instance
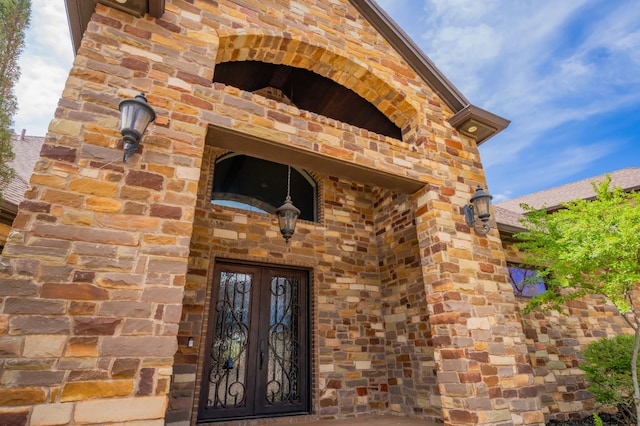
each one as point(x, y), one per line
point(289, 183)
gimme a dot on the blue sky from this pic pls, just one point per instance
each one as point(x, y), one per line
point(566, 73)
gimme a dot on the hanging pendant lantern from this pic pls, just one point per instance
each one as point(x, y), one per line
point(287, 213)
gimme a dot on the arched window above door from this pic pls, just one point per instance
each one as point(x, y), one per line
point(253, 184)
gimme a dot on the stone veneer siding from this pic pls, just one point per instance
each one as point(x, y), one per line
point(98, 267)
point(556, 342)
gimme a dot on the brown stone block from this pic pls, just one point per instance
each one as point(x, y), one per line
point(444, 318)
point(82, 308)
point(82, 347)
point(95, 326)
point(33, 306)
point(463, 417)
point(60, 153)
point(131, 208)
point(145, 179)
point(32, 378)
point(17, 287)
point(12, 397)
point(84, 276)
point(491, 381)
point(145, 384)
point(135, 194)
point(14, 418)
point(35, 324)
point(134, 64)
point(80, 391)
point(58, 197)
point(336, 152)
point(528, 392)
point(35, 207)
point(196, 102)
point(452, 353)
point(166, 212)
point(482, 357)
point(73, 292)
point(125, 368)
point(10, 347)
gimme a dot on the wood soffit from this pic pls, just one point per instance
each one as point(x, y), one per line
point(469, 119)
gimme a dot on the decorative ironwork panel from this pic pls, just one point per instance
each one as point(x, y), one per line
point(228, 372)
point(283, 345)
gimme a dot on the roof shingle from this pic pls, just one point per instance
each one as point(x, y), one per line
point(508, 213)
point(27, 152)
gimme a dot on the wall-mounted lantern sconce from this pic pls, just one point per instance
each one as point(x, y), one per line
point(480, 205)
point(287, 213)
point(135, 116)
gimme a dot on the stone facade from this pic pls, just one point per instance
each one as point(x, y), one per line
point(556, 342)
point(107, 271)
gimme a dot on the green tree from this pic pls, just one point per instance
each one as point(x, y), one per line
point(14, 20)
point(590, 247)
point(606, 365)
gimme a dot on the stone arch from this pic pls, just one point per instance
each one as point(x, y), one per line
point(325, 61)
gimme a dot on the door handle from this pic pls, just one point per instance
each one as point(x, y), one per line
point(261, 353)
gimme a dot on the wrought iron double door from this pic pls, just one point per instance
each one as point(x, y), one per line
point(256, 361)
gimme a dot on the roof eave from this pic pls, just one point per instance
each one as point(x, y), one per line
point(478, 123)
point(466, 115)
point(78, 13)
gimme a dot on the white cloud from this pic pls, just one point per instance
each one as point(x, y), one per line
point(44, 66)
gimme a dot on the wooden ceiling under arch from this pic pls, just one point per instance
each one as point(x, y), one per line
point(308, 91)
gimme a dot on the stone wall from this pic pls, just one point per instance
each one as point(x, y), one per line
point(413, 386)
point(556, 341)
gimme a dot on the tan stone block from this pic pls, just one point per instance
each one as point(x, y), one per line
point(130, 222)
point(44, 346)
point(51, 414)
point(77, 217)
point(110, 410)
point(65, 127)
point(93, 187)
point(47, 180)
point(77, 391)
point(103, 204)
point(64, 198)
point(12, 397)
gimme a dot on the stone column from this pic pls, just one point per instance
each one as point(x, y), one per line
point(484, 375)
point(93, 274)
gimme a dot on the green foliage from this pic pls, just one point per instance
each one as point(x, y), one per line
point(592, 247)
point(588, 247)
point(14, 20)
point(597, 421)
point(607, 366)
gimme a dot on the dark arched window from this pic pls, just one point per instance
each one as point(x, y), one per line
point(253, 184)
